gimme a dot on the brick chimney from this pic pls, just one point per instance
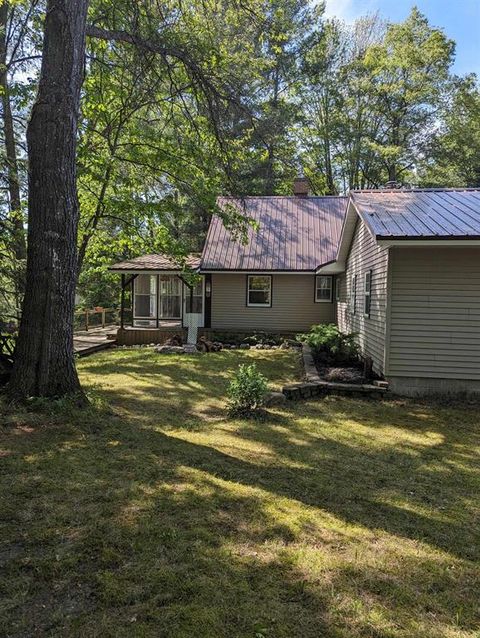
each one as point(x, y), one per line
point(301, 187)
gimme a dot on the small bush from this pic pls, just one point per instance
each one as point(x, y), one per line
point(247, 390)
point(328, 341)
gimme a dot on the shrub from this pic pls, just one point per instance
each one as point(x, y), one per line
point(247, 390)
point(329, 341)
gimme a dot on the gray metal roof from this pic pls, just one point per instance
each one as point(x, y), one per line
point(155, 262)
point(294, 234)
point(420, 213)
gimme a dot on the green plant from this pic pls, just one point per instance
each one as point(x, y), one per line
point(263, 338)
point(329, 341)
point(246, 392)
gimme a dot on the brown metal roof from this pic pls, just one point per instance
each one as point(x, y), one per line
point(294, 234)
point(420, 213)
point(156, 262)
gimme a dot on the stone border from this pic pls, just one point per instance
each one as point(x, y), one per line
point(314, 385)
point(309, 367)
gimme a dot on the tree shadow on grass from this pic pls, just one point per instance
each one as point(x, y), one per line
point(403, 467)
point(140, 533)
point(143, 524)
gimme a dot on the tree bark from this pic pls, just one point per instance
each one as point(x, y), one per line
point(18, 232)
point(44, 359)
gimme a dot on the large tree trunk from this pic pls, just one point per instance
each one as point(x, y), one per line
point(19, 245)
point(44, 360)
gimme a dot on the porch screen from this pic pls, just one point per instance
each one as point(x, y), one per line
point(170, 297)
point(145, 302)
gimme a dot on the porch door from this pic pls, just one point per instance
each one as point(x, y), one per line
point(145, 300)
point(193, 303)
point(170, 297)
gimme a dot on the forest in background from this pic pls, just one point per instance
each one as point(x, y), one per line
point(244, 96)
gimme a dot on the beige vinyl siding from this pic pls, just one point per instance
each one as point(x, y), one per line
point(293, 307)
point(435, 312)
point(365, 255)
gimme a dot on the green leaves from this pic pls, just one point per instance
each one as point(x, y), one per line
point(373, 98)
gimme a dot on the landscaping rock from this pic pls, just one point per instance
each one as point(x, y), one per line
point(244, 346)
point(204, 345)
point(293, 343)
point(190, 348)
point(170, 349)
point(275, 398)
point(175, 340)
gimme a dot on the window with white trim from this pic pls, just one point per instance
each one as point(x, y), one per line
point(367, 293)
point(353, 295)
point(323, 288)
point(145, 296)
point(259, 291)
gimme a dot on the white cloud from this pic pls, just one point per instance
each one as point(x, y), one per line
point(347, 10)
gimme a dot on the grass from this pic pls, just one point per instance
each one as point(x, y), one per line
point(152, 514)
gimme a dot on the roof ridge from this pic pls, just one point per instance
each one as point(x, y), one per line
point(293, 197)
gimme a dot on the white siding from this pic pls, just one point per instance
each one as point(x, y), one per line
point(293, 307)
point(365, 255)
point(435, 312)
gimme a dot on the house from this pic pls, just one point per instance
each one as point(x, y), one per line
point(269, 283)
point(408, 283)
point(399, 268)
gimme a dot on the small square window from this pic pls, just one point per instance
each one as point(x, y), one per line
point(323, 288)
point(259, 291)
point(367, 293)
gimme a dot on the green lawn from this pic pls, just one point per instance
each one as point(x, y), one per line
point(152, 514)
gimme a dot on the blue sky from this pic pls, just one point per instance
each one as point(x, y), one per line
point(460, 19)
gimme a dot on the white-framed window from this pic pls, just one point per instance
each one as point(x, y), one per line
point(367, 293)
point(170, 297)
point(337, 289)
point(259, 291)
point(145, 297)
point(353, 295)
point(323, 288)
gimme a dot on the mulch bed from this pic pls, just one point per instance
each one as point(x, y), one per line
point(340, 372)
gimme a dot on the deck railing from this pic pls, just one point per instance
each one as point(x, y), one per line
point(7, 345)
point(94, 318)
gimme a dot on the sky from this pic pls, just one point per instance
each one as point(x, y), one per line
point(460, 19)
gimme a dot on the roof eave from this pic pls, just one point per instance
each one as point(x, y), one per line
point(244, 271)
point(428, 240)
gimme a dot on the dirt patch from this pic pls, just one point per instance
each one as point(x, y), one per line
point(349, 371)
point(344, 375)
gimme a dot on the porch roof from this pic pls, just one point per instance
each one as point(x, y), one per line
point(156, 263)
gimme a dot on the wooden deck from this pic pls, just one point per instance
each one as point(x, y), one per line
point(88, 341)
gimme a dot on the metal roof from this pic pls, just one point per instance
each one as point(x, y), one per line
point(420, 213)
point(155, 262)
point(294, 234)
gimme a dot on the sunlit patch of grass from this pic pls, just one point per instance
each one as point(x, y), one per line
point(152, 513)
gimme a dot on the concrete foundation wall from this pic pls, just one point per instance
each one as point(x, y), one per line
point(417, 386)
